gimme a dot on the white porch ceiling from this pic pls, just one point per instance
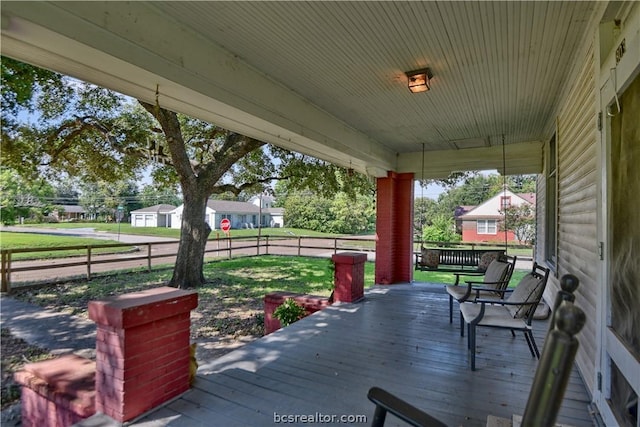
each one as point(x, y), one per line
point(327, 78)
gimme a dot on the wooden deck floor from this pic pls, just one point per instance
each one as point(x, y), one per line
point(399, 339)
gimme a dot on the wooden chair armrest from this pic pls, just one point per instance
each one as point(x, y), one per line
point(471, 282)
point(387, 402)
point(478, 289)
point(503, 302)
point(468, 273)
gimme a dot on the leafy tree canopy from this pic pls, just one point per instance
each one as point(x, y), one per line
point(521, 220)
point(101, 136)
point(20, 198)
point(442, 229)
point(339, 214)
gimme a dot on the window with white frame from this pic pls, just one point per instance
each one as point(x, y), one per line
point(487, 226)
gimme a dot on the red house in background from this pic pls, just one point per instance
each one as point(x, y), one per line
point(482, 223)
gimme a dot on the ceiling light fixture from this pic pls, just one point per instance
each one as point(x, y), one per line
point(419, 80)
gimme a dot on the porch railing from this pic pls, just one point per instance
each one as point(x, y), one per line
point(149, 254)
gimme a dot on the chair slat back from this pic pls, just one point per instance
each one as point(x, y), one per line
point(500, 270)
point(529, 292)
point(496, 272)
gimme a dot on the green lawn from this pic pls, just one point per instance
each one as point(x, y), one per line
point(10, 240)
point(229, 304)
point(449, 278)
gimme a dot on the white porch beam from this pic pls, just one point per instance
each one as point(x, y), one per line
point(124, 47)
point(521, 158)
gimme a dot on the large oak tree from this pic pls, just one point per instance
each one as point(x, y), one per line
point(96, 134)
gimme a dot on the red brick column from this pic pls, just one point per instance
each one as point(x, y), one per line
point(142, 350)
point(394, 229)
point(349, 276)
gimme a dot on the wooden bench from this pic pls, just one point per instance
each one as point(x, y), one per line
point(455, 260)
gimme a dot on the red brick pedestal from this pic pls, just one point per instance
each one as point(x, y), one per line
point(58, 392)
point(142, 350)
point(273, 300)
point(349, 276)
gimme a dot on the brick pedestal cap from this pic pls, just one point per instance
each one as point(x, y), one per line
point(137, 308)
point(57, 392)
point(349, 276)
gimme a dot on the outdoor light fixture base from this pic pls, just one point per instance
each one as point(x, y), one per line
point(419, 80)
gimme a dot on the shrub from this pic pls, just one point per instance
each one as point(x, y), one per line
point(289, 312)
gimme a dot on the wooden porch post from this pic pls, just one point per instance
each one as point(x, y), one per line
point(394, 229)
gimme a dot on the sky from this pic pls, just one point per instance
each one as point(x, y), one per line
point(432, 191)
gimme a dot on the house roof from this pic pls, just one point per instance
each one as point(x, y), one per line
point(462, 209)
point(161, 208)
point(490, 209)
point(529, 197)
point(72, 208)
point(233, 207)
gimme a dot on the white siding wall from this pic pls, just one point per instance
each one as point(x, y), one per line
point(577, 208)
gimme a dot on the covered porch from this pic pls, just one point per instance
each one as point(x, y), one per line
point(521, 87)
point(399, 338)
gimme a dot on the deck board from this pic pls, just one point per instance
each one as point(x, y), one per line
point(399, 339)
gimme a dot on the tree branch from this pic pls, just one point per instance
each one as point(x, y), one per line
point(236, 190)
point(170, 125)
point(75, 128)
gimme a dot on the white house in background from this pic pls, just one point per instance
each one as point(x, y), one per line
point(153, 216)
point(241, 214)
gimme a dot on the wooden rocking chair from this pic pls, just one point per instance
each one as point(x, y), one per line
point(495, 278)
point(514, 312)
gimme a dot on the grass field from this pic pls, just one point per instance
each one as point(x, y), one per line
point(236, 281)
point(231, 285)
point(10, 240)
point(449, 278)
point(126, 228)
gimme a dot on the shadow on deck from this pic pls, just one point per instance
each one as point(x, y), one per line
point(399, 338)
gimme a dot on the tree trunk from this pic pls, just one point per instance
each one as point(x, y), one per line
point(188, 271)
